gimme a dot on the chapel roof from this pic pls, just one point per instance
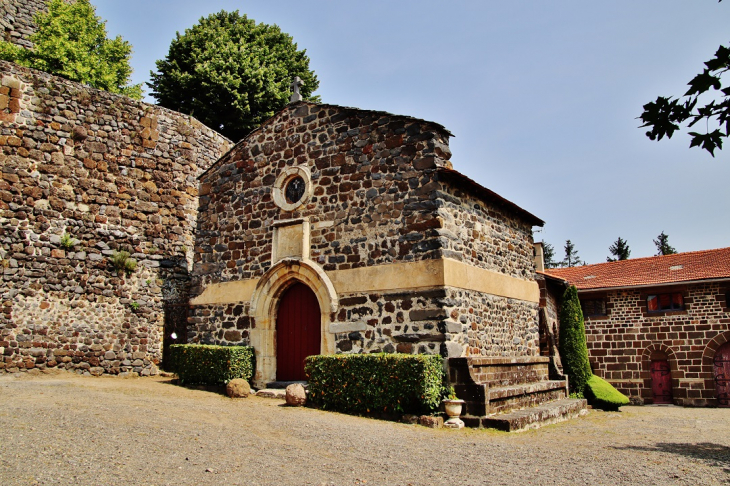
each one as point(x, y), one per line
point(643, 272)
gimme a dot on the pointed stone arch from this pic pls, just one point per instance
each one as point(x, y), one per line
point(264, 302)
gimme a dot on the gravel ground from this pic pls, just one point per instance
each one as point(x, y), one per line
point(65, 429)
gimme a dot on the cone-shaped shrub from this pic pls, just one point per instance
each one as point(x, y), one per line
point(572, 344)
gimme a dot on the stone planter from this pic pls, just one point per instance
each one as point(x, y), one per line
point(453, 410)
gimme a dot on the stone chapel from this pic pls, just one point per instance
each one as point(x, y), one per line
point(333, 229)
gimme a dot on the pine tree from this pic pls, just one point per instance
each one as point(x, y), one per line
point(571, 255)
point(662, 245)
point(619, 249)
point(572, 341)
point(548, 255)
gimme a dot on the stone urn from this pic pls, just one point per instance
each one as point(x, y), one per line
point(453, 411)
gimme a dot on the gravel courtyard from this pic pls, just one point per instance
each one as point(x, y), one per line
point(65, 429)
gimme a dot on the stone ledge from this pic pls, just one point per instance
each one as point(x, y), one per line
point(534, 417)
point(524, 389)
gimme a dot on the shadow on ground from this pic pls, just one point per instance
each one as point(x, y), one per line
point(714, 455)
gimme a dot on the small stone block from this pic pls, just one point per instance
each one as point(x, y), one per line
point(431, 421)
point(296, 395)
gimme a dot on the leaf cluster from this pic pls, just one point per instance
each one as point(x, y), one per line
point(200, 364)
point(231, 73)
point(376, 383)
point(71, 41)
point(572, 341)
point(68, 242)
point(665, 115)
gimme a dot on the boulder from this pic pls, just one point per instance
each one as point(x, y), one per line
point(296, 395)
point(238, 388)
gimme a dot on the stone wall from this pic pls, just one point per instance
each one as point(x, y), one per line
point(485, 235)
point(107, 173)
point(373, 176)
point(16, 20)
point(623, 343)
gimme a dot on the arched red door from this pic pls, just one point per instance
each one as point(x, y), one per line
point(721, 369)
point(298, 331)
point(661, 381)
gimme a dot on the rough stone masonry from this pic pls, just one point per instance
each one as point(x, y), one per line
point(86, 173)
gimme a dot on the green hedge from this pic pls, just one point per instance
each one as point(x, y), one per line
point(376, 383)
point(197, 364)
point(601, 394)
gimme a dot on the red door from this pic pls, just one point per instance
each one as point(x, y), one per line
point(298, 332)
point(661, 381)
point(722, 375)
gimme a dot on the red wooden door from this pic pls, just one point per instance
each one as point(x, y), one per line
point(661, 381)
point(298, 331)
point(721, 368)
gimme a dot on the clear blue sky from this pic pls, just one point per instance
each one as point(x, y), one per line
point(542, 97)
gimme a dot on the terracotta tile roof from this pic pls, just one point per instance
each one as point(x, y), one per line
point(658, 270)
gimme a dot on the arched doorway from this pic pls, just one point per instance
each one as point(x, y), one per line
point(721, 371)
point(298, 331)
point(661, 378)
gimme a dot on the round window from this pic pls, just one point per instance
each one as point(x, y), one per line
point(294, 190)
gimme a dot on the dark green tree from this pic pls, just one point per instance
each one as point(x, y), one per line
point(665, 114)
point(548, 255)
point(71, 41)
point(231, 73)
point(571, 255)
point(662, 245)
point(572, 341)
point(619, 249)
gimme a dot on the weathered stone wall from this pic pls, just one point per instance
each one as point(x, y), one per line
point(16, 20)
point(113, 174)
point(622, 344)
point(373, 180)
point(485, 235)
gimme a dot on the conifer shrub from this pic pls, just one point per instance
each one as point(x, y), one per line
point(601, 394)
point(376, 383)
point(572, 342)
point(200, 364)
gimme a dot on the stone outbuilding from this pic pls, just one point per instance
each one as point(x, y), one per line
point(658, 328)
point(333, 229)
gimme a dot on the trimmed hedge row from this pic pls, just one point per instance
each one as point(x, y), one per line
point(376, 383)
point(601, 394)
point(199, 364)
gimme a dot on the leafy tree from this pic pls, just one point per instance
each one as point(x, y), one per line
point(664, 115)
point(619, 249)
point(231, 73)
point(571, 255)
point(572, 341)
point(71, 41)
point(662, 245)
point(548, 255)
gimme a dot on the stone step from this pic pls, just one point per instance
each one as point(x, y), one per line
point(534, 417)
point(502, 392)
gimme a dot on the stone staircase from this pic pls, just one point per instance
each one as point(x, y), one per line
point(511, 393)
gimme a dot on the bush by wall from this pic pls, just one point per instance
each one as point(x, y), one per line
point(572, 341)
point(197, 364)
point(376, 383)
point(601, 394)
